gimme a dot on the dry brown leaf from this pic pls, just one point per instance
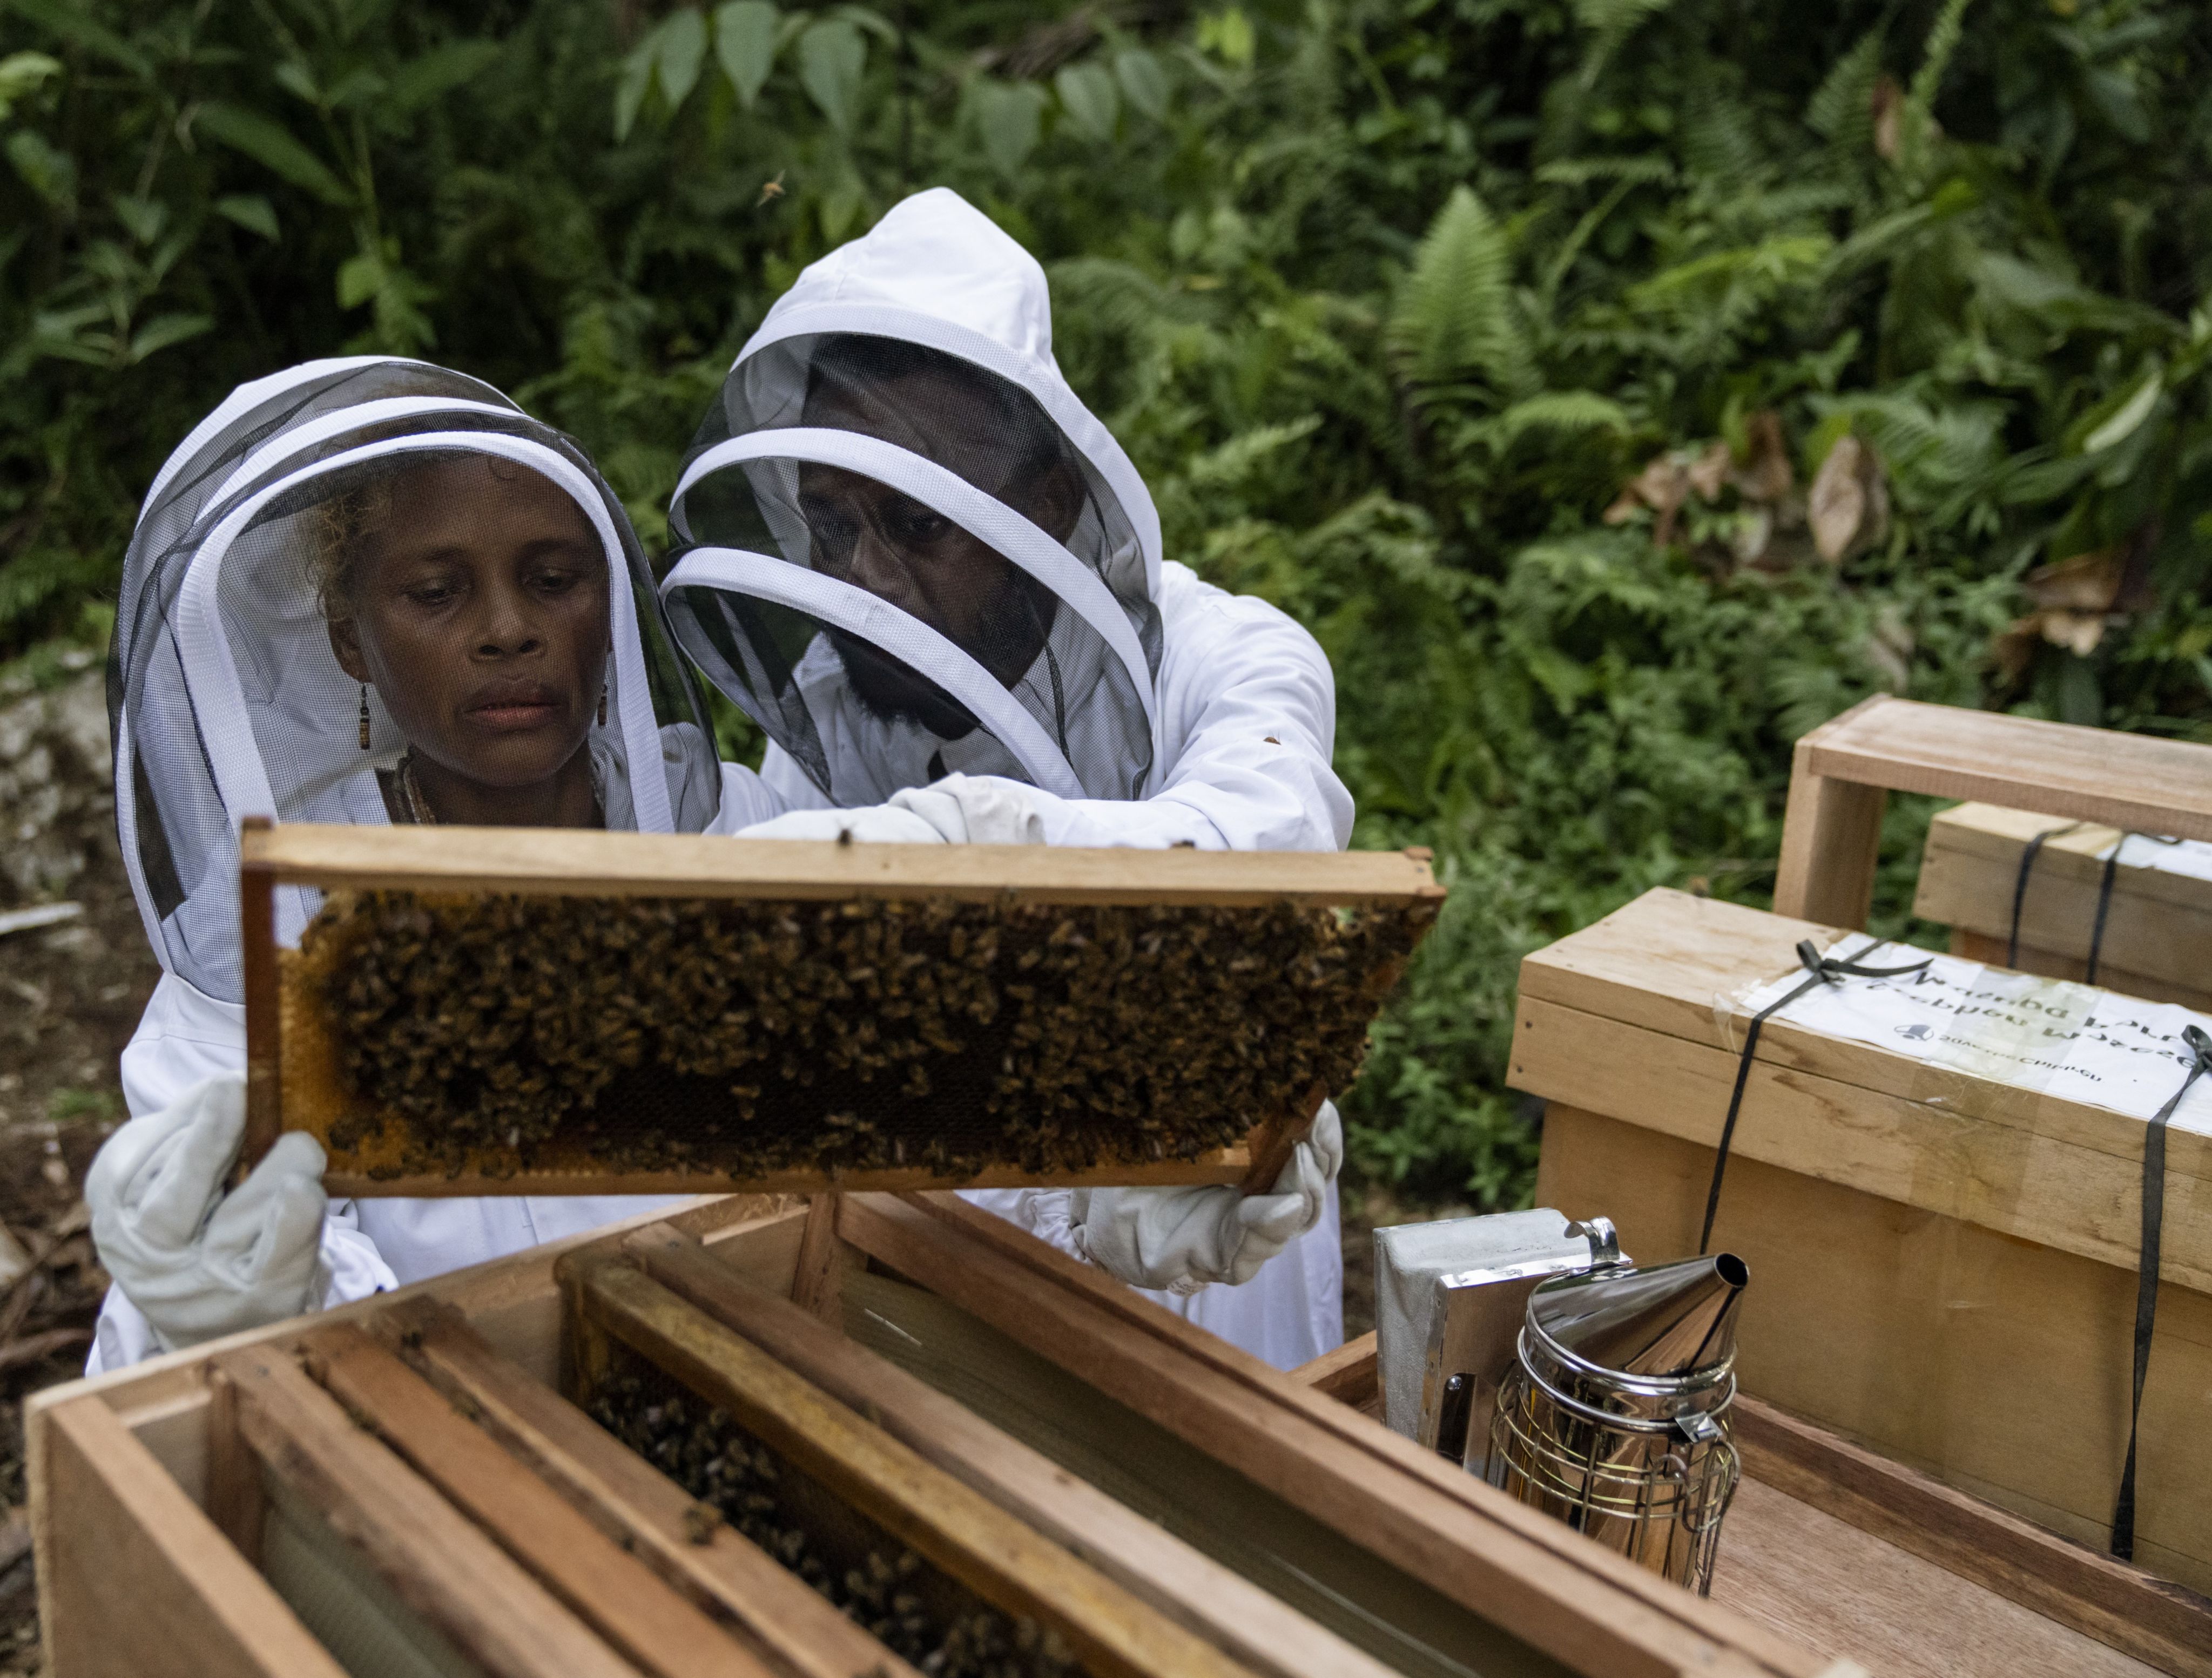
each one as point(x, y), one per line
point(1849, 504)
point(2087, 583)
point(1888, 104)
point(1708, 474)
point(1765, 474)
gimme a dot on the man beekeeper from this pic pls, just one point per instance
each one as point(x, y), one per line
point(936, 581)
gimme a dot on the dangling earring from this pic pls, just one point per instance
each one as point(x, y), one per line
point(603, 704)
point(364, 716)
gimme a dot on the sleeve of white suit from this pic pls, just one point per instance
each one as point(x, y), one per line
point(1250, 705)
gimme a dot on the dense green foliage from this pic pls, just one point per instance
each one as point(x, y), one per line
point(1389, 299)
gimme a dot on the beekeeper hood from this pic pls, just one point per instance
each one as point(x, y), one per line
point(225, 696)
point(907, 548)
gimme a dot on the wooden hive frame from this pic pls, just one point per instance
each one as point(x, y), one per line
point(427, 1428)
point(290, 1069)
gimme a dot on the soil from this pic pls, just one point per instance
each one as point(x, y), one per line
point(70, 995)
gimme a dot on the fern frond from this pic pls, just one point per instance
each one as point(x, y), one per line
point(1455, 313)
point(1842, 110)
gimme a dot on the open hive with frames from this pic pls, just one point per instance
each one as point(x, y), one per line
point(488, 1011)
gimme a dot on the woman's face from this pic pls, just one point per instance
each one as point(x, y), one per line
point(479, 614)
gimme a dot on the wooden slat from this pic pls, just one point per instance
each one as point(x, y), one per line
point(2120, 1606)
point(1198, 1592)
point(2130, 781)
point(817, 1288)
point(1530, 1576)
point(941, 1519)
point(585, 863)
point(790, 1624)
point(1831, 841)
point(264, 1014)
point(1349, 1374)
point(133, 1579)
point(1992, 952)
point(435, 1562)
point(1222, 1165)
point(612, 1591)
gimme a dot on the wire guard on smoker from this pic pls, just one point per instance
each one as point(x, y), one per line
point(1614, 1416)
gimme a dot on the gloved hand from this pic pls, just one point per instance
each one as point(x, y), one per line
point(1180, 1239)
point(971, 809)
point(870, 824)
point(197, 1262)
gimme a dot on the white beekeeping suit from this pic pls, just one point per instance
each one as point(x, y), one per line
point(934, 577)
point(226, 700)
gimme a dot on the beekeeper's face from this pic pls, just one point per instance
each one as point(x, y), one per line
point(475, 604)
point(875, 537)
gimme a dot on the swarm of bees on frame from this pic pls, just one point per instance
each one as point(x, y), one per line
point(919, 1614)
point(735, 1035)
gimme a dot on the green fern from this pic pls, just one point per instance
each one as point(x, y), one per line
point(1454, 315)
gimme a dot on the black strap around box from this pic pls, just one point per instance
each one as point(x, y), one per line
point(2146, 1262)
point(1823, 970)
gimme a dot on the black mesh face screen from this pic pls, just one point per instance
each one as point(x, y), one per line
point(930, 512)
point(497, 1034)
point(277, 524)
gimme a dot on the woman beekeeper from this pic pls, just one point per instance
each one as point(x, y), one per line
point(363, 591)
point(935, 580)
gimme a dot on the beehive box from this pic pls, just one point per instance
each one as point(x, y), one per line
point(474, 1011)
point(2158, 923)
point(1087, 1484)
point(1946, 1262)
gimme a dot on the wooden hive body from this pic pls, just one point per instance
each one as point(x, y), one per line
point(673, 1014)
point(460, 1506)
point(2158, 924)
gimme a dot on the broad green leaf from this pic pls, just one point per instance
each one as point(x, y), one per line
point(683, 37)
point(163, 330)
point(874, 22)
point(251, 212)
point(1228, 36)
point(45, 169)
point(72, 21)
point(1143, 81)
point(270, 145)
point(143, 217)
point(1088, 95)
point(424, 80)
point(832, 55)
point(2128, 416)
point(746, 43)
point(358, 280)
point(637, 81)
point(296, 79)
point(1009, 116)
point(23, 72)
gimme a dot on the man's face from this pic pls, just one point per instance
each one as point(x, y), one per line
point(875, 537)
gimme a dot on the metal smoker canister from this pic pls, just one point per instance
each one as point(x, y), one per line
point(1614, 1414)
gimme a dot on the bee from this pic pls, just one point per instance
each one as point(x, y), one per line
point(667, 1034)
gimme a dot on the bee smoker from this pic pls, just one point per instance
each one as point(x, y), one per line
point(1614, 1414)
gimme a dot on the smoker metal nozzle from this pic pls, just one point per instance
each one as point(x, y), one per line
point(1659, 1320)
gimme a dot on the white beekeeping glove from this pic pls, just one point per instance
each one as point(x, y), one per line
point(197, 1262)
point(870, 824)
point(1180, 1239)
point(972, 810)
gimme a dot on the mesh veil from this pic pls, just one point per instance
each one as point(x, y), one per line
point(225, 697)
point(899, 562)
